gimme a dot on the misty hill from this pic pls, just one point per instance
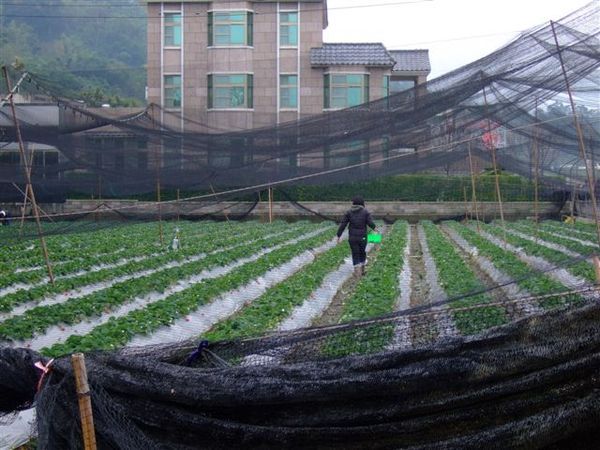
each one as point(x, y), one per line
point(94, 50)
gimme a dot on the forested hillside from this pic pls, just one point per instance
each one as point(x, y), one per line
point(93, 50)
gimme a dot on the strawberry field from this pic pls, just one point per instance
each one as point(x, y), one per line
point(120, 287)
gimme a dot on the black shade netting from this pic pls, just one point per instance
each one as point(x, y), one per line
point(513, 102)
point(530, 384)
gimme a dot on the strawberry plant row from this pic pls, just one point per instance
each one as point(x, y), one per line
point(457, 279)
point(581, 269)
point(138, 242)
point(9, 301)
point(38, 319)
point(572, 245)
point(375, 295)
point(119, 331)
point(527, 278)
point(193, 245)
point(267, 311)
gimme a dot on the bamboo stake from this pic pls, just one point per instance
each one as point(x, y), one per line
point(270, 205)
point(178, 206)
point(216, 197)
point(536, 168)
point(466, 205)
point(494, 165)
point(473, 189)
point(26, 194)
point(84, 400)
point(596, 261)
point(579, 135)
point(28, 178)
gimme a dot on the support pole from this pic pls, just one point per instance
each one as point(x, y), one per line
point(494, 164)
point(466, 204)
point(579, 135)
point(178, 206)
point(26, 194)
point(85, 401)
point(536, 169)
point(270, 205)
point(158, 200)
point(217, 198)
point(27, 172)
point(473, 189)
point(596, 262)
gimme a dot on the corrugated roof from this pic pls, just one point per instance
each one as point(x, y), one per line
point(411, 60)
point(369, 54)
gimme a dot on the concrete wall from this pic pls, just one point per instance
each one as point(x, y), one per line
point(411, 211)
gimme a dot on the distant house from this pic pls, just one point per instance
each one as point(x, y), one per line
point(232, 65)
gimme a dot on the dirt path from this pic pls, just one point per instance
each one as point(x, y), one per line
point(333, 313)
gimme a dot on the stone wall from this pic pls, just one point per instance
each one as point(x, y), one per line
point(411, 211)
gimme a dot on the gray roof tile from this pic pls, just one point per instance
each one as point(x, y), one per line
point(411, 60)
point(372, 54)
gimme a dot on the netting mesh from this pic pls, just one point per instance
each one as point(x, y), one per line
point(510, 361)
point(513, 100)
point(530, 384)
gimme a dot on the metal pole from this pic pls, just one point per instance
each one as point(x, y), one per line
point(178, 205)
point(158, 200)
point(474, 190)
point(28, 178)
point(84, 400)
point(579, 135)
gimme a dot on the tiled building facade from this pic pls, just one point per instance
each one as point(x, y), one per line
point(234, 65)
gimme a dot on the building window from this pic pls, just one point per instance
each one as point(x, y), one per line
point(288, 29)
point(345, 90)
point(172, 91)
point(172, 30)
point(227, 28)
point(386, 86)
point(288, 91)
point(346, 154)
point(230, 91)
point(401, 84)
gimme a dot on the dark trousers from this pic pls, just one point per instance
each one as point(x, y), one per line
point(359, 251)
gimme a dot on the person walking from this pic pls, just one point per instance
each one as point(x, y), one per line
point(357, 218)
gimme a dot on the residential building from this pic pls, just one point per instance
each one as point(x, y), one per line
point(237, 65)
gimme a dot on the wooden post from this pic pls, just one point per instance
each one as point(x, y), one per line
point(473, 189)
point(27, 172)
point(596, 261)
point(573, 197)
point(582, 150)
point(494, 164)
point(158, 202)
point(217, 198)
point(85, 401)
point(270, 205)
point(466, 204)
point(178, 211)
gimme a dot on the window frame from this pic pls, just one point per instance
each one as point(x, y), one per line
point(171, 25)
point(248, 25)
point(248, 91)
point(288, 87)
point(330, 84)
point(169, 87)
point(287, 25)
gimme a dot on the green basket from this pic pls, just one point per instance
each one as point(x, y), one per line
point(374, 238)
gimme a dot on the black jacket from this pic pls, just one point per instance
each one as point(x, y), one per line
point(358, 218)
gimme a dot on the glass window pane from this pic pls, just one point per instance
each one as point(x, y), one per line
point(355, 79)
point(338, 79)
point(238, 17)
point(237, 96)
point(237, 79)
point(293, 35)
point(238, 34)
point(354, 96)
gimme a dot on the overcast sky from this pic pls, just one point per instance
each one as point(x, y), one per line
point(456, 32)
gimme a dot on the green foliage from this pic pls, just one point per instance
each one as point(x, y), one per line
point(417, 188)
point(93, 51)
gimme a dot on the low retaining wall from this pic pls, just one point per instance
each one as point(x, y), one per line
point(412, 211)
